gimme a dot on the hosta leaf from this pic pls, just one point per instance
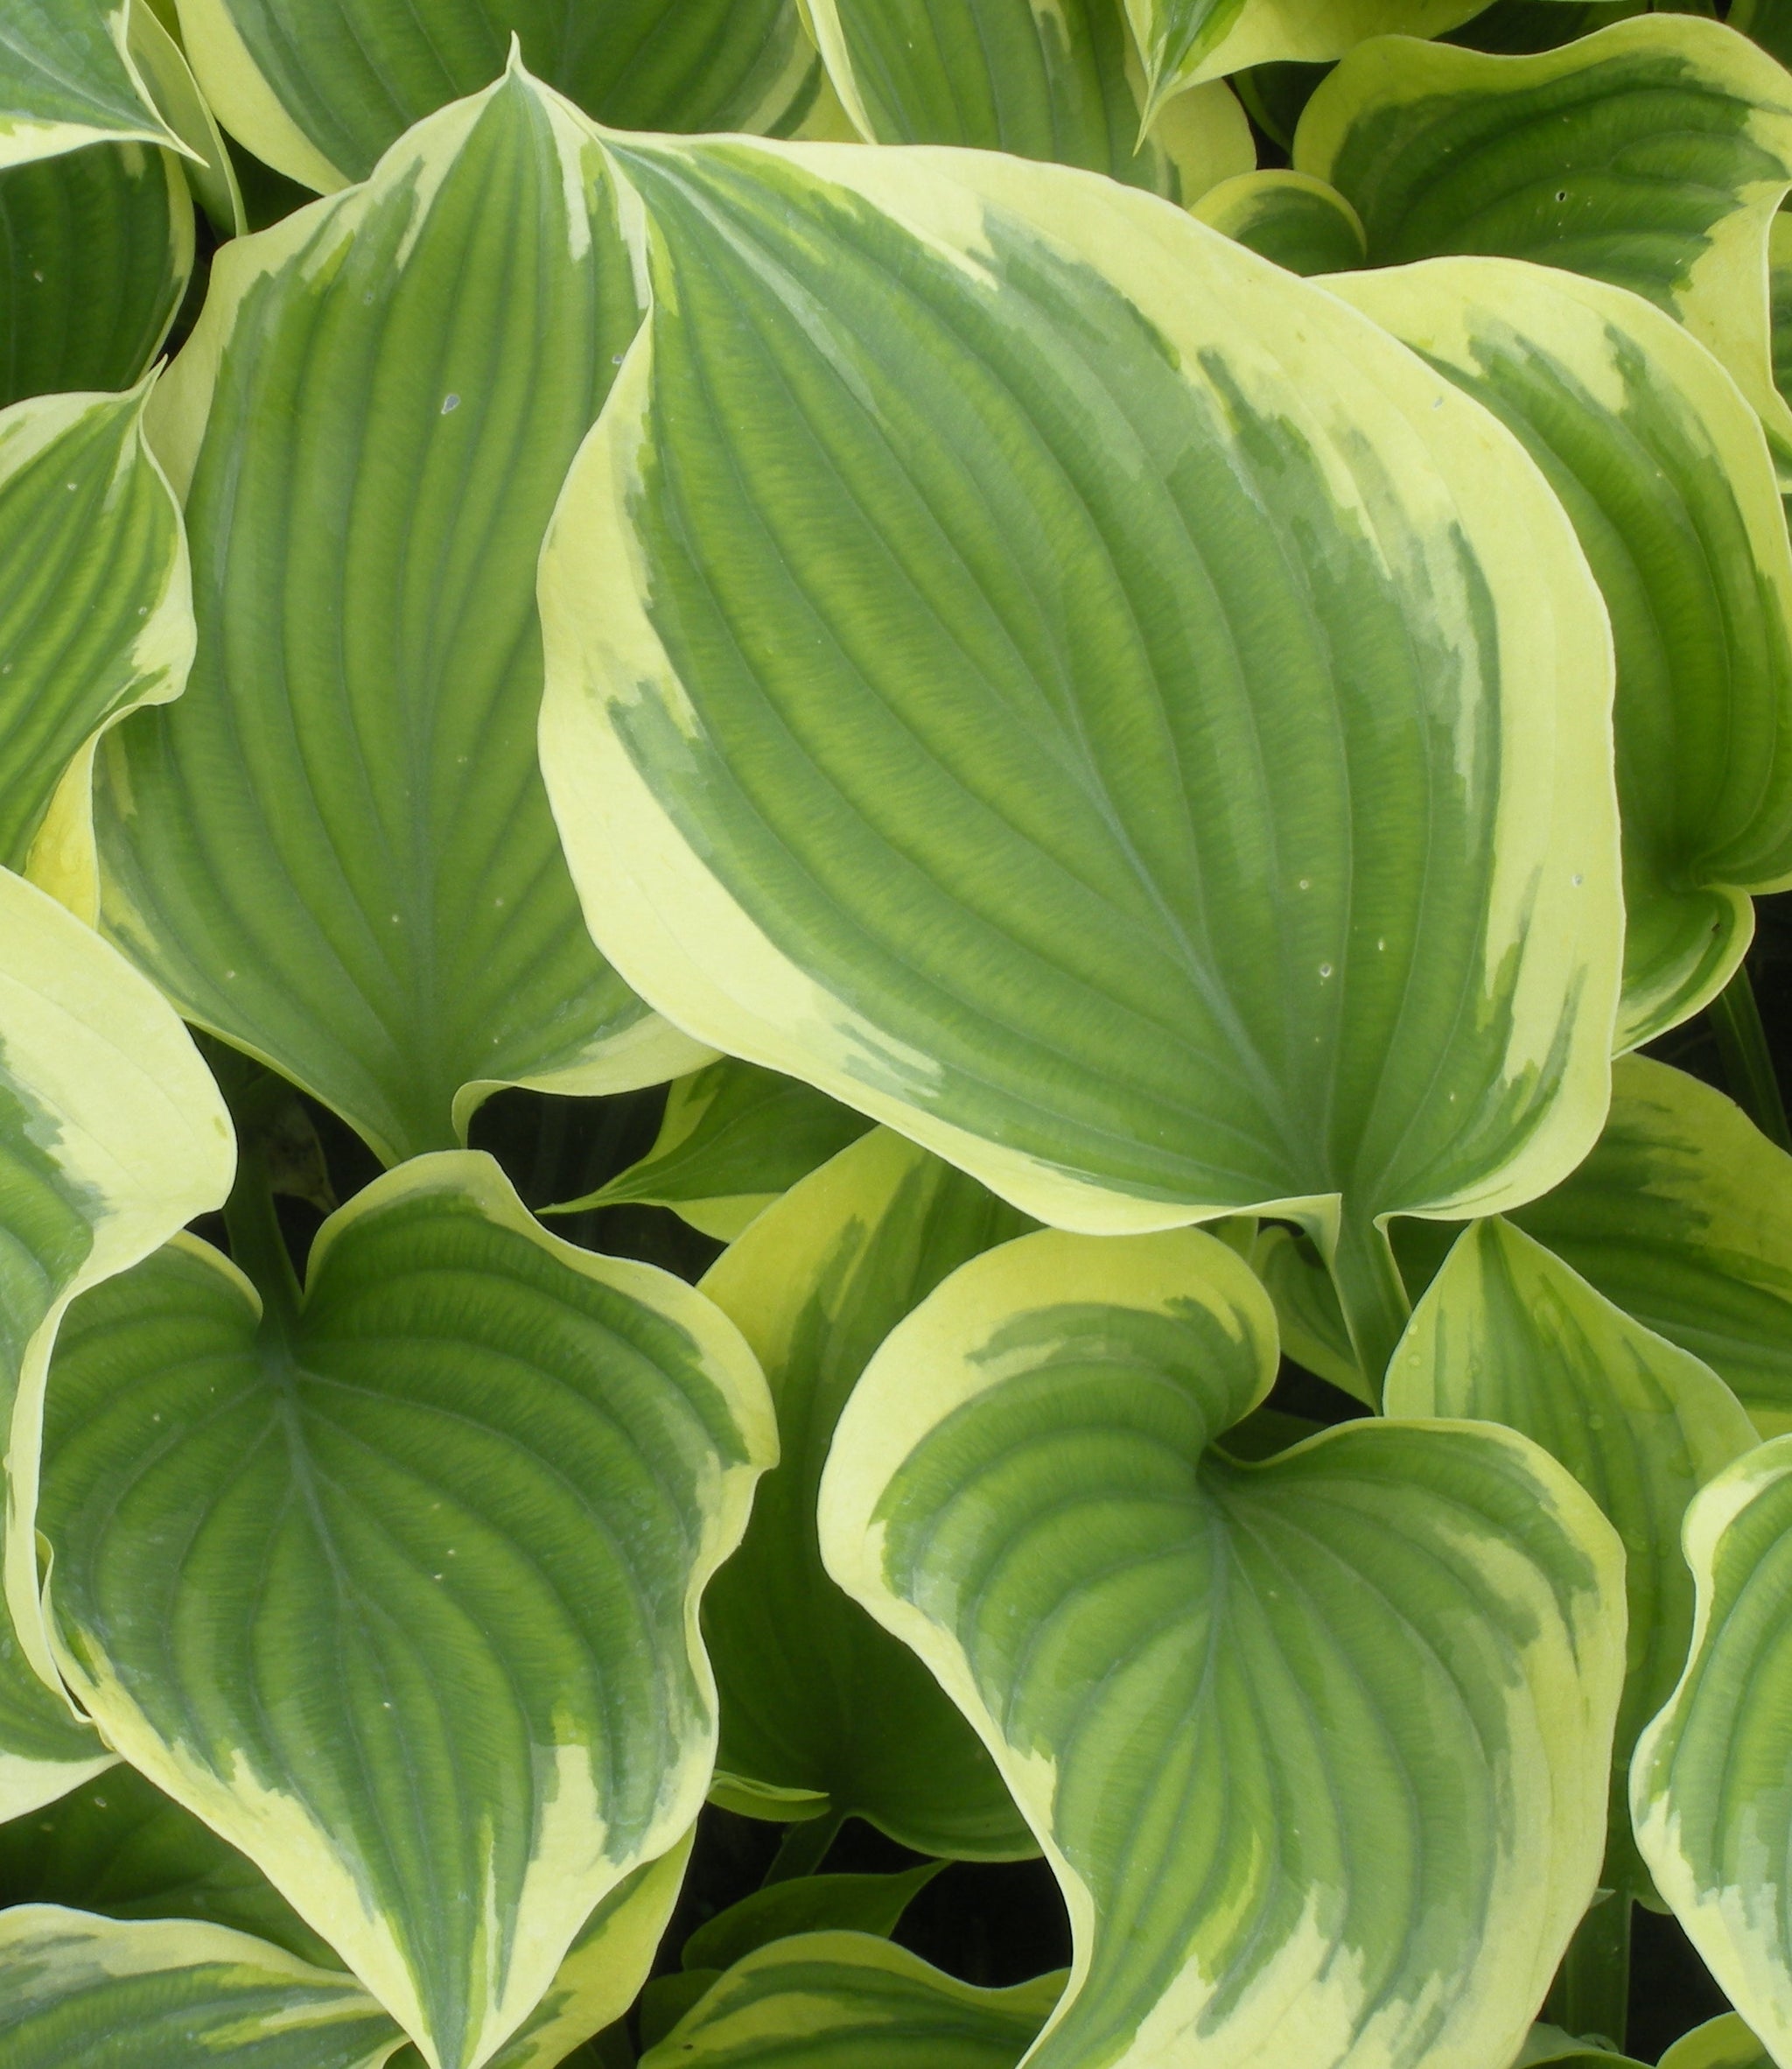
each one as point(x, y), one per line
point(112, 1135)
point(806, 1904)
point(1290, 217)
point(66, 81)
point(1517, 28)
point(335, 851)
point(1769, 22)
point(1720, 2044)
point(1184, 40)
point(734, 1137)
point(320, 89)
point(1651, 155)
point(843, 2001)
point(88, 1993)
point(96, 615)
point(485, 1476)
point(119, 1846)
point(974, 825)
point(1711, 1788)
point(1550, 2043)
point(814, 1694)
point(1307, 1312)
point(1044, 78)
point(1318, 1748)
point(1661, 463)
point(177, 97)
point(96, 247)
point(1506, 1333)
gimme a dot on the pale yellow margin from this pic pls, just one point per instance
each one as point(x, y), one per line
point(1301, 2008)
point(168, 78)
point(1235, 205)
point(84, 1950)
point(24, 139)
point(139, 1125)
point(1280, 31)
point(1464, 310)
point(1722, 2043)
point(1724, 303)
point(676, 935)
point(1740, 1929)
point(571, 1873)
point(767, 2019)
point(243, 101)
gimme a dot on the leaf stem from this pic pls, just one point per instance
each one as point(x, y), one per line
point(1749, 1062)
point(257, 1243)
point(1590, 1995)
point(1370, 1291)
point(804, 1848)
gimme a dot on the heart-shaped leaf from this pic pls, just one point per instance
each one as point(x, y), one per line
point(1661, 463)
point(1318, 1748)
point(320, 89)
point(89, 1993)
point(1507, 1334)
point(335, 851)
point(97, 616)
point(112, 1135)
point(972, 824)
point(66, 81)
point(1290, 217)
point(814, 1694)
point(1054, 81)
point(845, 2001)
point(1652, 155)
point(1711, 1788)
point(482, 1474)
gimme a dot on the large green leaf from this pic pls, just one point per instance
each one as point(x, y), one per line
point(1044, 78)
point(845, 2001)
point(1506, 1333)
point(67, 80)
point(177, 99)
point(1317, 1747)
point(320, 89)
point(1662, 465)
point(112, 1135)
point(96, 247)
point(1651, 155)
point(733, 1138)
point(1060, 683)
point(96, 615)
point(482, 1474)
point(1182, 41)
point(1769, 22)
point(335, 850)
point(1711, 1788)
point(872, 1904)
point(88, 1993)
point(1720, 2044)
point(814, 1696)
point(1290, 217)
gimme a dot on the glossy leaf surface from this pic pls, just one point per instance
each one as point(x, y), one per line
point(335, 851)
point(484, 1473)
point(1317, 1748)
point(968, 825)
point(1661, 462)
point(814, 1694)
point(320, 89)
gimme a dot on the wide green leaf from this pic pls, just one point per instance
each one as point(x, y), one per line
point(960, 534)
point(486, 1475)
point(1182, 41)
point(88, 1993)
point(1319, 1747)
point(112, 1135)
point(335, 851)
point(814, 1696)
point(1711, 1788)
point(67, 79)
point(97, 616)
point(1507, 1334)
point(872, 1904)
point(1044, 78)
point(1661, 463)
point(1652, 155)
point(96, 247)
point(733, 1138)
point(320, 89)
point(845, 2001)
point(1720, 2044)
point(1290, 217)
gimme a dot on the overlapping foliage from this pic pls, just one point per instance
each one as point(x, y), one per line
point(1109, 657)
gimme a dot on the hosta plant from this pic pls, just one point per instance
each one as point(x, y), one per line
point(888, 1172)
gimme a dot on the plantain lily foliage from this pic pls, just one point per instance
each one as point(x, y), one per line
point(888, 1178)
